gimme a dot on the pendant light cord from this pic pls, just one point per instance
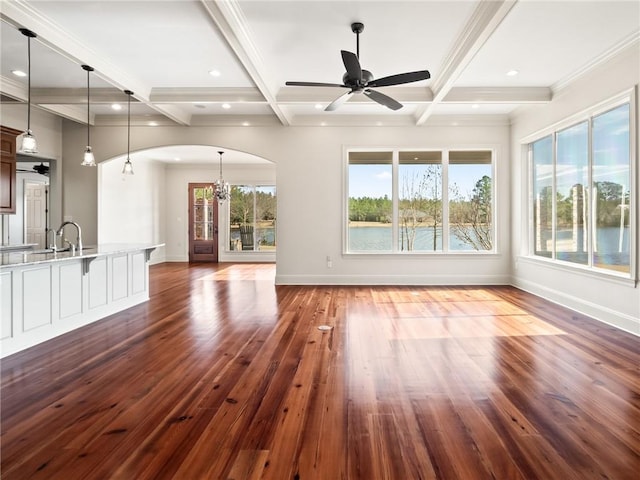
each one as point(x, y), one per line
point(29, 34)
point(88, 114)
point(129, 93)
point(29, 84)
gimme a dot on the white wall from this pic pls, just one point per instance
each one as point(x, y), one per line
point(131, 208)
point(608, 299)
point(310, 173)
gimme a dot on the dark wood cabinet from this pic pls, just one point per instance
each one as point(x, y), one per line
point(8, 170)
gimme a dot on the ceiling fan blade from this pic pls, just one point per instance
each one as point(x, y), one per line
point(315, 84)
point(338, 101)
point(400, 78)
point(383, 99)
point(352, 65)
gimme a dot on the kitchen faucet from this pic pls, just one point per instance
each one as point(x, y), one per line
point(52, 245)
point(78, 245)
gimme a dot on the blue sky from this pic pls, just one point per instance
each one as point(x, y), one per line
point(375, 180)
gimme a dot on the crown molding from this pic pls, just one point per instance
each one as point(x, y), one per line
point(630, 41)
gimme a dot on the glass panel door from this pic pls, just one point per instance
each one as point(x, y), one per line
point(203, 223)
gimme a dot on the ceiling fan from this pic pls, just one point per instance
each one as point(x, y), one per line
point(42, 169)
point(359, 81)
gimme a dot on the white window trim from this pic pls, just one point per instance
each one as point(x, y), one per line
point(445, 252)
point(628, 96)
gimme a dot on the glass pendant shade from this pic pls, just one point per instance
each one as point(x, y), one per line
point(89, 159)
point(29, 143)
point(222, 190)
point(128, 166)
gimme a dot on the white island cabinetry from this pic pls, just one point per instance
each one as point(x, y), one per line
point(44, 295)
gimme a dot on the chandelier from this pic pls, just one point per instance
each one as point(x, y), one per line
point(221, 191)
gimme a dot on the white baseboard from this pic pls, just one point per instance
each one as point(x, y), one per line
point(598, 312)
point(392, 279)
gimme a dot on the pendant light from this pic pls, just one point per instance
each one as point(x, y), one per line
point(29, 144)
point(89, 159)
point(222, 187)
point(128, 167)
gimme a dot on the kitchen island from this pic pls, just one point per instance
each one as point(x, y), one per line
point(44, 294)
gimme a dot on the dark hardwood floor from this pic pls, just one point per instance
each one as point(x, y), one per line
point(222, 375)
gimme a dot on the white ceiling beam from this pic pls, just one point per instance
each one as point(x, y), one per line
point(21, 14)
point(230, 21)
point(498, 95)
point(207, 95)
point(321, 94)
point(485, 19)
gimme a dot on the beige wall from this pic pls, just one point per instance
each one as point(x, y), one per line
point(310, 171)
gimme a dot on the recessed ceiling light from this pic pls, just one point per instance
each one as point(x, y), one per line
point(318, 106)
point(323, 124)
point(379, 124)
point(226, 106)
point(18, 73)
point(214, 73)
point(245, 124)
point(475, 105)
point(177, 159)
point(116, 106)
point(512, 73)
point(153, 124)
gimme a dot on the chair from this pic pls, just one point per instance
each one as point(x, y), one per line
point(246, 237)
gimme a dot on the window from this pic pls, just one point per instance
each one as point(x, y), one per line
point(402, 202)
point(470, 204)
point(252, 218)
point(581, 178)
point(370, 201)
point(420, 201)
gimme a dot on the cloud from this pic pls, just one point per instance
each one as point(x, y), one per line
point(383, 175)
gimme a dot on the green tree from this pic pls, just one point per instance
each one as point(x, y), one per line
point(241, 205)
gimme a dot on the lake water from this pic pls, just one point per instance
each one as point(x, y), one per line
point(377, 238)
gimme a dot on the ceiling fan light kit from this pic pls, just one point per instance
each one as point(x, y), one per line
point(360, 81)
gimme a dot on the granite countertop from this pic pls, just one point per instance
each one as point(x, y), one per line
point(30, 257)
point(23, 246)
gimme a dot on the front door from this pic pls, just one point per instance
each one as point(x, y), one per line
point(203, 223)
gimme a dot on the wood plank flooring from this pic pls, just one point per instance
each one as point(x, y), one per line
point(222, 375)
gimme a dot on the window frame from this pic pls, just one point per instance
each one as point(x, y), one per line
point(588, 115)
point(446, 250)
point(254, 188)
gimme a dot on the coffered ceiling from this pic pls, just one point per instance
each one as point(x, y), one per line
point(165, 50)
